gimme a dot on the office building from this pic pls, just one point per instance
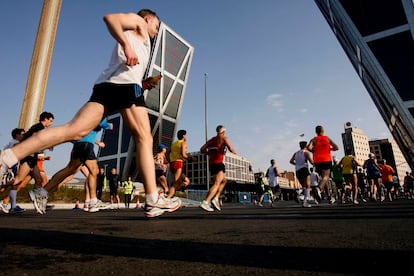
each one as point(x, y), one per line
point(171, 56)
point(377, 36)
point(355, 140)
point(238, 168)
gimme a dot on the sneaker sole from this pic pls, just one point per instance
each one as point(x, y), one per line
point(17, 212)
point(155, 212)
point(215, 206)
point(205, 209)
point(33, 199)
point(98, 208)
point(179, 203)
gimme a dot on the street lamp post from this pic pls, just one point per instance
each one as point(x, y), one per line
point(206, 128)
point(105, 178)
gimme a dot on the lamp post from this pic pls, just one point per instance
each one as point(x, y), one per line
point(106, 165)
point(206, 128)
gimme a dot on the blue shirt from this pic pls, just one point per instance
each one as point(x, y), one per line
point(91, 137)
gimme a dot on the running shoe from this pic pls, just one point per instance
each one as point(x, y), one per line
point(332, 200)
point(16, 210)
point(39, 198)
point(174, 198)
point(99, 205)
point(306, 204)
point(4, 207)
point(44, 196)
point(205, 206)
point(216, 204)
point(162, 205)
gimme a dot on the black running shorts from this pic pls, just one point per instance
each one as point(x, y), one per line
point(116, 96)
point(83, 151)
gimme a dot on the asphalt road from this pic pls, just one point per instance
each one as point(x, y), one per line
point(368, 239)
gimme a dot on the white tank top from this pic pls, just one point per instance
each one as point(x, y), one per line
point(300, 160)
point(117, 70)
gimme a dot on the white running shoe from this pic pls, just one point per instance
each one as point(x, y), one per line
point(306, 204)
point(99, 205)
point(174, 198)
point(162, 205)
point(216, 204)
point(39, 198)
point(332, 200)
point(86, 206)
point(4, 207)
point(205, 206)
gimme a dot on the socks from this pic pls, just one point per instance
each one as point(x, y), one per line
point(307, 194)
point(13, 196)
point(151, 198)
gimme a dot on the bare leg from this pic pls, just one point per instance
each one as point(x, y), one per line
point(163, 182)
point(87, 118)
point(176, 183)
point(221, 188)
point(137, 121)
point(324, 182)
point(217, 180)
point(61, 175)
point(85, 172)
point(91, 170)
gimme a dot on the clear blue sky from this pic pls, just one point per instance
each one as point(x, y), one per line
point(275, 71)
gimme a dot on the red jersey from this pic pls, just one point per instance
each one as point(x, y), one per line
point(322, 150)
point(215, 150)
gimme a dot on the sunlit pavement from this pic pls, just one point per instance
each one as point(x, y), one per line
point(242, 239)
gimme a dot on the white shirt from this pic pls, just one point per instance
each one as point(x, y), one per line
point(117, 70)
point(314, 176)
point(300, 160)
point(272, 177)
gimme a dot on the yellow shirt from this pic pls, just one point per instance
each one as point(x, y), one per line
point(348, 165)
point(175, 154)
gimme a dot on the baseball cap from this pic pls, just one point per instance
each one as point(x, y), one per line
point(371, 155)
point(162, 146)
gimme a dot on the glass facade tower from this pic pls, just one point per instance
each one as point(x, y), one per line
point(171, 57)
point(377, 37)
